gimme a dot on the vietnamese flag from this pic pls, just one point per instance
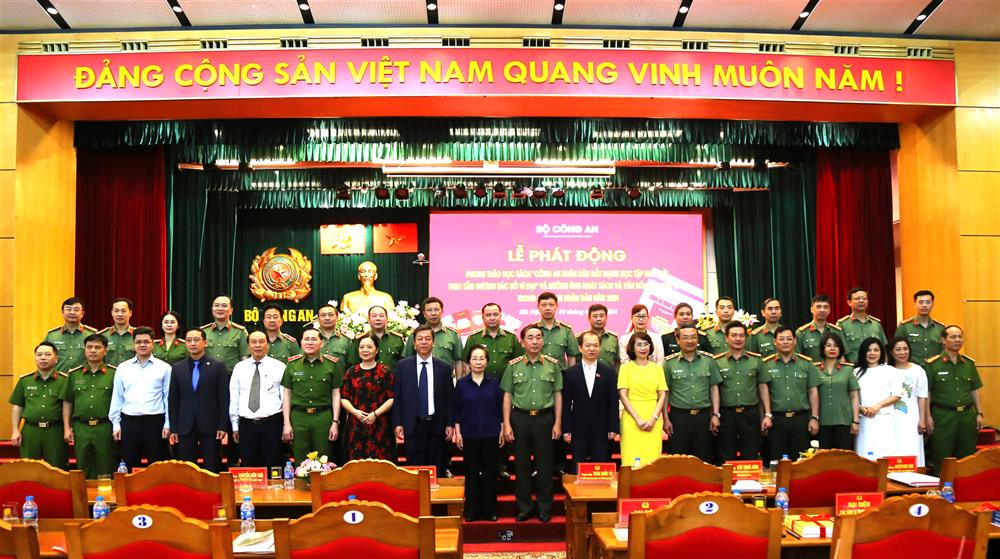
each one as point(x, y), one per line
point(395, 237)
point(342, 239)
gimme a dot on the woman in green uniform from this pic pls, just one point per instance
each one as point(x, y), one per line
point(170, 348)
point(838, 395)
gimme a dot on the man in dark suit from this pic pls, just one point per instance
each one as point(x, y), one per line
point(199, 403)
point(590, 404)
point(422, 403)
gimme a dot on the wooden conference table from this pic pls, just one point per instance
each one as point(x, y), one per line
point(604, 544)
point(584, 500)
point(447, 535)
point(449, 495)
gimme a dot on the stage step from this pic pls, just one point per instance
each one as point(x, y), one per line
point(508, 530)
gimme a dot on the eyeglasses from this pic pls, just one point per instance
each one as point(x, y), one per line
point(642, 344)
point(640, 316)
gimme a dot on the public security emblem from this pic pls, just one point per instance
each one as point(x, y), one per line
point(280, 277)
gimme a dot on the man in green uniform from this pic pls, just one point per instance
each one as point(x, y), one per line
point(923, 332)
point(86, 403)
point(119, 334)
point(227, 341)
point(37, 398)
point(953, 385)
point(725, 307)
point(794, 397)
point(280, 345)
point(693, 397)
point(683, 316)
point(502, 344)
point(560, 342)
point(390, 344)
point(762, 338)
point(808, 335)
point(742, 393)
point(447, 342)
point(311, 398)
point(68, 338)
point(597, 315)
point(532, 420)
point(334, 343)
point(859, 324)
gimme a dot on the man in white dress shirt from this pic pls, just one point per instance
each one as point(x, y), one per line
point(255, 405)
point(138, 413)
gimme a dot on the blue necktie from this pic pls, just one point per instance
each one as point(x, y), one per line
point(425, 406)
point(195, 373)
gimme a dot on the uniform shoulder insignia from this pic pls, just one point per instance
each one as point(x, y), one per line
point(552, 359)
point(103, 330)
point(804, 356)
point(719, 355)
point(935, 358)
point(819, 364)
point(239, 326)
point(516, 360)
point(62, 373)
point(803, 327)
point(705, 353)
point(91, 328)
point(74, 369)
point(753, 353)
point(295, 357)
point(397, 334)
point(206, 326)
point(874, 318)
point(329, 357)
point(969, 357)
point(26, 375)
point(771, 357)
point(848, 364)
point(452, 329)
point(835, 327)
point(671, 331)
point(112, 367)
point(506, 331)
point(158, 341)
point(480, 331)
point(843, 318)
point(54, 329)
point(614, 335)
point(936, 322)
point(672, 356)
point(561, 323)
point(289, 337)
point(757, 330)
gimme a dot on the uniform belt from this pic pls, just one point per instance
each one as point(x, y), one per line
point(739, 409)
point(92, 422)
point(42, 424)
point(260, 419)
point(694, 411)
point(953, 408)
point(311, 410)
point(534, 412)
point(795, 413)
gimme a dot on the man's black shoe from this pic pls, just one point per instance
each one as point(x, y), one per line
point(521, 517)
point(544, 517)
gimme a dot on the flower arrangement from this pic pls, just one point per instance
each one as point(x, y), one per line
point(402, 321)
point(314, 464)
point(707, 320)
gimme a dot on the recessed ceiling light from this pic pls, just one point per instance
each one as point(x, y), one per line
point(178, 9)
point(432, 6)
point(304, 7)
point(804, 15)
point(921, 17)
point(52, 10)
point(683, 9)
point(559, 7)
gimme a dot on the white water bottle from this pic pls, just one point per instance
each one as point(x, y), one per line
point(247, 524)
point(289, 475)
point(122, 468)
point(781, 501)
point(637, 463)
point(100, 508)
point(29, 512)
point(948, 492)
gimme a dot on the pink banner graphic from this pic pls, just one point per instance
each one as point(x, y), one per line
point(326, 73)
point(617, 259)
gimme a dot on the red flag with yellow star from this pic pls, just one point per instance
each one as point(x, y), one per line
point(395, 237)
point(342, 239)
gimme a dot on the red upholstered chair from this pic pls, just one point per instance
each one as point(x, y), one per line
point(910, 527)
point(705, 525)
point(670, 476)
point(376, 481)
point(165, 534)
point(815, 481)
point(18, 542)
point(976, 477)
point(182, 485)
point(354, 529)
point(59, 494)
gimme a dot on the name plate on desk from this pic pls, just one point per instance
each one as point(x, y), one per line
point(431, 469)
point(254, 477)
point(746, 469)
point(596, 473)
point(849, 504)
point(902, 463)
point(627, 506)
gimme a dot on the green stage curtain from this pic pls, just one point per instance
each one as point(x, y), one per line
point(769, 238)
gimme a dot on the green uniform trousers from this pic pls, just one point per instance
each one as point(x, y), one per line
point(95, 449)
point(954, 435)
point(311, 432)
point(691, 433)
point(46, 443)
point(533, 436)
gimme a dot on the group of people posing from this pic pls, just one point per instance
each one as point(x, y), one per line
point(729, 392)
